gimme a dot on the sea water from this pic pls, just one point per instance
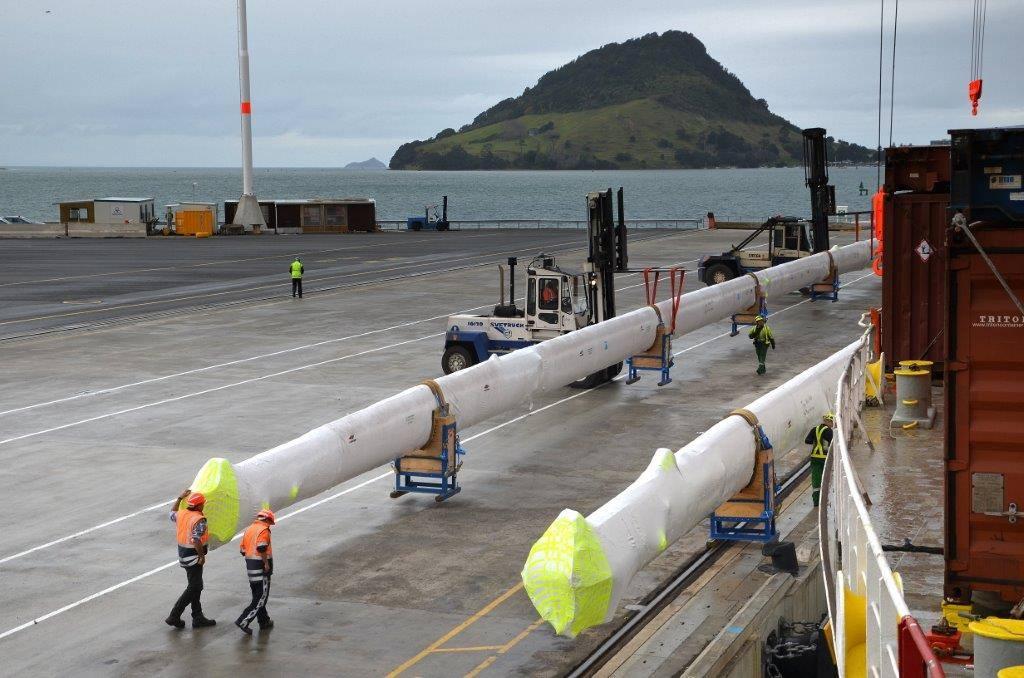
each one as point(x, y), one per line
point(732, 194)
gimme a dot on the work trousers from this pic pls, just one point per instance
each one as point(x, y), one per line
point(762, 353)
point(190, 596)
point(297, 287)
point(258, 607)
point(817, 466)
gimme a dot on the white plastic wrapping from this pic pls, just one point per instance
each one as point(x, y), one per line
point(377, 434)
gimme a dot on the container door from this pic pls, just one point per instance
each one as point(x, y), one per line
point(984, 410)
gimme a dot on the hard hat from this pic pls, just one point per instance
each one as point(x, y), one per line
point(829, 416)
point(759, 319)
point(195, 499)
point(266, 515)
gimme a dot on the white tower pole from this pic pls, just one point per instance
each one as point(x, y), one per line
point(248, 213)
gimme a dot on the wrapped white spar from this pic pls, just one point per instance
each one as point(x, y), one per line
point(378, 434)
point(577, 572)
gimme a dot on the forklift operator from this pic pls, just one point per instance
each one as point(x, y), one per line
point(549, 294)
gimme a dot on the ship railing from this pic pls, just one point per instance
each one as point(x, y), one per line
point(581, 224)
point(873, 631)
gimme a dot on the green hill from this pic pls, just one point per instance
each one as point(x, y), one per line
point(659, 101)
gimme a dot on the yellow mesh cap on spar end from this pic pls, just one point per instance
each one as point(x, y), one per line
point(216, 479)
point(567, 575)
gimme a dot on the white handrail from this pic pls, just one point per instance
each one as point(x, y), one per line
point(860, 573)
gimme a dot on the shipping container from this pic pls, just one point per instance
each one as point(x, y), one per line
point(193, 222)
point(913, 287)
point(922, 169)
point(987, 181)
point(984, 416)
point(317, 215)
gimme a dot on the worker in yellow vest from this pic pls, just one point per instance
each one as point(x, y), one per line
point(259, 566)
point(193, 537)
point(820, 440)
point(763, 337)
point(296, 271)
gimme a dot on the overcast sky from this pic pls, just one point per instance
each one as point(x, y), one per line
point(154, 83)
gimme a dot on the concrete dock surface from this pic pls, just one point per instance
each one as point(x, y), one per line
point(188, 349)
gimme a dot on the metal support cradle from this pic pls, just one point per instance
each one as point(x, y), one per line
point(828, 288)
point(750, 515)
point(758, 308)
point(658, 357)
point(434, 468)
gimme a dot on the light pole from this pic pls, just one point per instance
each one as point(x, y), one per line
point(248, 215)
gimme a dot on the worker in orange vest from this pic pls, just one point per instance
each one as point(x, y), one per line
point(259, 566)
point(192, 547)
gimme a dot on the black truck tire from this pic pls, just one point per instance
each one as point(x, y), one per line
point(456, 358)
point(718, 273)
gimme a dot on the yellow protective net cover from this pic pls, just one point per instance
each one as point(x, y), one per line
point(567, 575)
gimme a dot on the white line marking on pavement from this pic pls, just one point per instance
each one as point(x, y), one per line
point(122, 387)
point(115, 587)
point(114, 521)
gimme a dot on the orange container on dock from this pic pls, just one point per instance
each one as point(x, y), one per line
point(194, 222)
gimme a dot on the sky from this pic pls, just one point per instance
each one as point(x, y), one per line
point(155, 83)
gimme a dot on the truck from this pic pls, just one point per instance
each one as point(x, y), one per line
point(558, 300)
point(789, 238)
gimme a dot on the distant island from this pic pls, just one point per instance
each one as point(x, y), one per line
point(655, 102)
point(371, 164)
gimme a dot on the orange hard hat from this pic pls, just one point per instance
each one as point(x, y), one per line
point(195, 499)
point(266, 515)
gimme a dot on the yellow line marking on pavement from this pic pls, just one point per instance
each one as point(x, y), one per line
point(480, 648)
point(483, 612)
point(505, 648)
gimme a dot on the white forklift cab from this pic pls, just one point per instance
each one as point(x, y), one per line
point(557, 300)
point(556, 303)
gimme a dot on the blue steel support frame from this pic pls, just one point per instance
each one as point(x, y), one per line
point(760, 528)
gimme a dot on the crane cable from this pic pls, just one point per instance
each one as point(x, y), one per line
point(977, 53)
point(892, 77)
point(878, 141)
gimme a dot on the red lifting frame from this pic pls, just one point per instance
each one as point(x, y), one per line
point(677, 280)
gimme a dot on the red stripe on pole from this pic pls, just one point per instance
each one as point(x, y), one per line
point(246, 108)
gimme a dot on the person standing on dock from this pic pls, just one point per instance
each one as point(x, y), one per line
point(192, 546)
point(259, 566)
point(763, 338)
point(820, 438)
point(296, 270)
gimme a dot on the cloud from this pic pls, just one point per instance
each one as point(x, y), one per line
point(156, 83)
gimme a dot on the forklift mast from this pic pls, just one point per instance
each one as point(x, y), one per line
point(823, 196)
point(607, 253)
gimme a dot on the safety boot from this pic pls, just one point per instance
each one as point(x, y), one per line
point(201, 622)
point(176, 622)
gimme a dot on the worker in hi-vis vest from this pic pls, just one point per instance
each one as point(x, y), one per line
point(259, 566)
point(192, 546)
point(296, 270)
point(820, 440)
point(763, 338)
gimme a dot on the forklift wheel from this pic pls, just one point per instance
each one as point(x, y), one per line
point(456, 358)
point(718, 273)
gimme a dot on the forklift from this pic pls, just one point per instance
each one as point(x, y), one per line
point(789, 238)
point(430, 221)
point(558, 300)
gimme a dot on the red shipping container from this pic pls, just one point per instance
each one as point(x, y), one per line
point(984, 417)
point(913, 287)
point(917, 168)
